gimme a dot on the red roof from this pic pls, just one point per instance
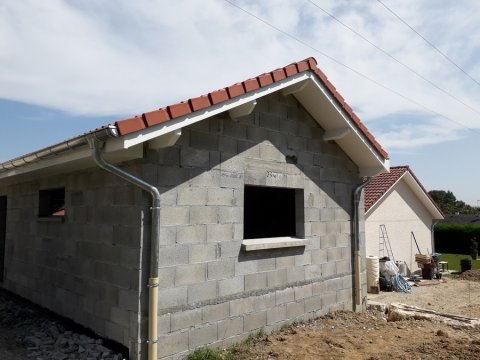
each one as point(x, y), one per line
point(186, 107)
point(381, 183)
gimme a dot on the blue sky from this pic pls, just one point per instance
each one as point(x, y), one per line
point(67, 67)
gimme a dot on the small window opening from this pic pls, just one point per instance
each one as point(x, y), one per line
point(273, 212)
point(51, 203)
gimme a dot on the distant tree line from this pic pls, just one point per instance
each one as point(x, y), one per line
point(449, 204)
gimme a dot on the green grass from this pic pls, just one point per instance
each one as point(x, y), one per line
point(204, 353)
point(454, 261)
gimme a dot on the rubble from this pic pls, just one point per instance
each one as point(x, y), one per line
point(47, 339)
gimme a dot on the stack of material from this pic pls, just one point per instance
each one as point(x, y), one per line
point(422, 259)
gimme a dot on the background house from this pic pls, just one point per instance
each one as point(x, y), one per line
point(256, 215)
point(397, 200)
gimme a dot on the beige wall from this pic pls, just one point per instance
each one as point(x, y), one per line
point(401, 212)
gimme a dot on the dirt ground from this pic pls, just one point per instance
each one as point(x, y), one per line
point(347, 335)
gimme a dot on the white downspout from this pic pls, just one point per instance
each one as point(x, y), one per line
point(357, 291)
point(153, 281)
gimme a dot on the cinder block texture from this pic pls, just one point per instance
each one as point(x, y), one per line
point(94, 266)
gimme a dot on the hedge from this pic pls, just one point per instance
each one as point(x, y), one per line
point(455, 238)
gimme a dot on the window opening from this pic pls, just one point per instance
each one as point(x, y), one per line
point(51, 203)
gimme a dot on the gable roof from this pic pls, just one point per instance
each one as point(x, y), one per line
point(302, 79)
point(381, 185)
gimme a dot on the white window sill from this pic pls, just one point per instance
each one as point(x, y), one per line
point(272, 243)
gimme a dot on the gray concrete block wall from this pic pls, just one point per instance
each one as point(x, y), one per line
point(204, 217)
point(210, 292)
point(87, 267)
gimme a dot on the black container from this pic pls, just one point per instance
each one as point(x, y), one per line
point(427, 272)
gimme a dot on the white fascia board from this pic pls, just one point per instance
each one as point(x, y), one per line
point(141, 136)
point(383, 163)
point(423, 197)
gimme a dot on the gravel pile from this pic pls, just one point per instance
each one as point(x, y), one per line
point(472, 275)
point(47, 339)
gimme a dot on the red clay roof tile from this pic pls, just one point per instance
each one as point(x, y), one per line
point(130, 125)
point(215, 97)
point(156, 117)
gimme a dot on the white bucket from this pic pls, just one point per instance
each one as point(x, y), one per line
point(373, 274)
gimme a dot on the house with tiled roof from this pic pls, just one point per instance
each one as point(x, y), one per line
point(200, 222)
point(399, 214)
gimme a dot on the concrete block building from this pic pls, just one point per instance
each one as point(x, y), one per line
point(198, 223)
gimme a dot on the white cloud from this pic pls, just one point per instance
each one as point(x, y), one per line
point(127, 57)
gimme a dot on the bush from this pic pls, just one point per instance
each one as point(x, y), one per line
point(455, 238)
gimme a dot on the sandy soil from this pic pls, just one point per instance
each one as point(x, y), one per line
point(346, 335)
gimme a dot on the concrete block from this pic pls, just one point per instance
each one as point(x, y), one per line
point(186, 319)
point(204, 140)
point(269, 121)
point(202, 292)
point(269, 152)
point(173, 343)
point(230, 327)
point(200, 177)
point(221, 269)
point(230, 248)
point(303, 292)
point(313, 272)
point(174, 216)
point(256, 134)
point(192, 196)
point(343, 267)
point(169, 156)
point(334, 254)
point(230, 214)
point(166, 277)
point(295, 309)
point(172, 176)
point(328, 241)
point(191, 234)
point(232, 163)
point(295, 274)
point(319, 228)
point(344, 295)
point(190, 157)
point(277, 278)
point(255, 281)
point(329, 300)
point(199, 253)
point(318, 288)
point(303, 259)
point(128, 299)
point(227, 145)
point(268, 264)
point(170, 256)
point(328, 269)
point(246, 267)
point(284, 296)
point(173, 297)
point(219, 232)
point(284, 262)
point(190, 274)
point(231, 180)
point(313, 304)
point(231, 286)
point(248, 149)
point(277, 314)
point(319, 256)
point(211, 313)
point(202, 335)
point(163, 323)
point(255, 321)
point(334, 285)
point(168, 235)
point(115, 332)
point(203, 215)
point(220, 196)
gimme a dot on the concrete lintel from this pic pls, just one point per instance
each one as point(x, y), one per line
point(272, 243)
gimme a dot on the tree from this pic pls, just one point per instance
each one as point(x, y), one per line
point(449, 204)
